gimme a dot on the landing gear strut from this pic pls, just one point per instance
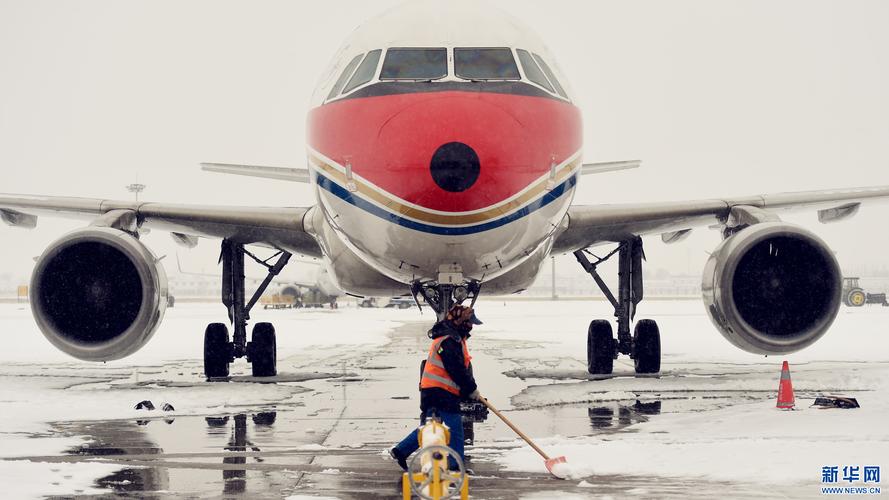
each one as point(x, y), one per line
point(261, 353)
point(441, 296)
point(644, 346)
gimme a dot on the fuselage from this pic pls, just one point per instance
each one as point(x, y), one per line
point(443, 134)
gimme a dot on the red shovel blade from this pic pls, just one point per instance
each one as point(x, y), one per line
point(553, 463)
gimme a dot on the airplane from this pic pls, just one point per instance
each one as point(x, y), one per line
point(309, 285)
point(444, 160)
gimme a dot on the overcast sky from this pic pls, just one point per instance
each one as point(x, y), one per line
point(716, 97)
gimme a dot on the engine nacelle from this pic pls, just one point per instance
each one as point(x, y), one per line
point(772, 288)
point(98, 294)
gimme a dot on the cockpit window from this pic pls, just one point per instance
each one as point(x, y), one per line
point(415, 64)
point(532, 71)
point(344, 77)
point(365, 71)
point(551, 76)
point(485, 64)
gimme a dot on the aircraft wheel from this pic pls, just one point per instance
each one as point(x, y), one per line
point(647, 346)
point(263, 351)
point(217, 350)
point(600, 347)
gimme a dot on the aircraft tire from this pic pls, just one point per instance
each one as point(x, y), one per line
point(647, 346)
point(263, 351)
point(217, 351)
point(600, 347)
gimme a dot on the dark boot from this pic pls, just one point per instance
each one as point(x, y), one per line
point(396, 455)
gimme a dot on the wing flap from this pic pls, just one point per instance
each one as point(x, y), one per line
point(18, 219)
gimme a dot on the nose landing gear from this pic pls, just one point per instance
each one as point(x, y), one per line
point(644, 346)
point(450, 289)
point(261, 353)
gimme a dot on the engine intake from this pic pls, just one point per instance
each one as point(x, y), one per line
point(98, 294)
point(772, 288)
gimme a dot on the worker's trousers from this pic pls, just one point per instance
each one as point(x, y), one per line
point(454, 421)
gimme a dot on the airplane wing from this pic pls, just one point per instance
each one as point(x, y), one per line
point(589, 225)
point(277, 227)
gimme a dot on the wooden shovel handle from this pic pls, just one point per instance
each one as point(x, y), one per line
point(514, 428)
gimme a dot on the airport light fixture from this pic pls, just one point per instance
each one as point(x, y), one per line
point(136, 188)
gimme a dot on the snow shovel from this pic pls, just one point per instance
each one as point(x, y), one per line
point(549, 462)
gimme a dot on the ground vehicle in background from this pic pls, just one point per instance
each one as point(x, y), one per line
point(392, 303)
point(317, 298)
point(294, 297)
point(400, 303)
point(369, 302)
point(280, 301)
point(855, 296)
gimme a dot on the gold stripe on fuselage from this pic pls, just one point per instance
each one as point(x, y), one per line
point(420, 215)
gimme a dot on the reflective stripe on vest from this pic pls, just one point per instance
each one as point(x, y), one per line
point(434, 373)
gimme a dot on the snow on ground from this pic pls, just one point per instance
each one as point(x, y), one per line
point(744, 439)
point(548, 495)
point(30, 403)
point(687, 334)
point(678, 381)
point(747, 441)
point(750, 442)
point(39, 384)
point(35, 480)
point(310, 497)
point(180, 335)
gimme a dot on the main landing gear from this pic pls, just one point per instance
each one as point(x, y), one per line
point(644, 346)
point(261, 352)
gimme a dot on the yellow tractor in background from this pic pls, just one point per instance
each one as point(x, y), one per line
point(855, 296)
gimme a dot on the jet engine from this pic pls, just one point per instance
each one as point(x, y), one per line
point(772, 288)
point(98, 294)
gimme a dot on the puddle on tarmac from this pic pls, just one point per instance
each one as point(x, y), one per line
point(202, 441)
point(266, 453)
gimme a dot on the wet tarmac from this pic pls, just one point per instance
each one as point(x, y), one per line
point(252, 455)
point(346, 408)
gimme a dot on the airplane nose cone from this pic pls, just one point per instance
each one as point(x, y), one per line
point(455, 167)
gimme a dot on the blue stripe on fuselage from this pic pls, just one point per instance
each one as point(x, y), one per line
point(365, 205)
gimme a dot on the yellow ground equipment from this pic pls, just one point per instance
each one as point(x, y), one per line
point(428, 476)
point(855, 296)
point(279, 301)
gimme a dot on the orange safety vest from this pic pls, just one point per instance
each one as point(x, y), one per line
point(434, 373)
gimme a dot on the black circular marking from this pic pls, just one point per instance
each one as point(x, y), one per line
point(455, 167)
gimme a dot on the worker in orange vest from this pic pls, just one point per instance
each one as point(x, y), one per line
point(445, 381)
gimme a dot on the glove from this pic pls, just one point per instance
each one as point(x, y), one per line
point(475, 395)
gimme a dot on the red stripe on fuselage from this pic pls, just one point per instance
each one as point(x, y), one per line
point(389, 140)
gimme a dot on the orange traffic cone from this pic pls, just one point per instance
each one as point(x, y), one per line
point(785, 389)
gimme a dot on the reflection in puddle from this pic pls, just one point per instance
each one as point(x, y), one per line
point(119, 439)
point(123, 439)
point(619, 414)
point(234, 480)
